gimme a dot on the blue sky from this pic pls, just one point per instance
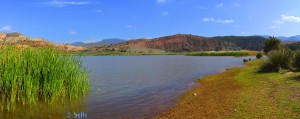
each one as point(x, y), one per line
point(65, 21)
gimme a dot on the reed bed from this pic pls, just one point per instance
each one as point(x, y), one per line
point(30, 75)
point(221, 53)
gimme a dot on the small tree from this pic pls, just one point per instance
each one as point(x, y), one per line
point(14, 34)
point(296, 60)
point(258, 55)
point(272, 43)
point(277, 60)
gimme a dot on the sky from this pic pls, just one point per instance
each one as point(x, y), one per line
point(67, 21)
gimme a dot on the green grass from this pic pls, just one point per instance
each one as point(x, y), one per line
point(242, 93)
point(267, 95)
point(223, 53)
point(31, 75)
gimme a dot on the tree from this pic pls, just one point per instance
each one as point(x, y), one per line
point(272, 43)
point(258, 55)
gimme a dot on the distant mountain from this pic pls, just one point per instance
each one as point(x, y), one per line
point(265, 36)
point(99, 43)
point(244, 42)
point(112, 41)
point(77, 43)
point(291, 38)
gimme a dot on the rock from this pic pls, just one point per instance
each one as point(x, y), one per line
point(289, 73)
point(195, 94)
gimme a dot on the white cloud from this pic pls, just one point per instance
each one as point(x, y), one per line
point(161, 1)
point(236, 5)
point(219, 5)
point(223, 21)
point(278, 22)
point(99, 10)
point(202, 7)
point(290, 18)
point(206, 19)
point(131, 27)
point(64, 3)
point(164, 13)
point(243, 32)
point(284, 19)
point(6, 28)
point(274, 27)
point(72, 32)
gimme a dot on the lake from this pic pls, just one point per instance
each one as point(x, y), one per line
point(144, 86)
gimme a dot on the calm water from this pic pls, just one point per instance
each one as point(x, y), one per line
point(143, 86)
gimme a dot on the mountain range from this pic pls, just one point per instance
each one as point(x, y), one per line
point(291, 38)
point(173, 43)
point(285, 38)
point(238, 39)
point(188, 42)
point(99, 43)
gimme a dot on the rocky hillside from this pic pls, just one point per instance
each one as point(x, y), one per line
point(25, 41)
point(176, 43)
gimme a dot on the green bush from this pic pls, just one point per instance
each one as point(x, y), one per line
point(277, 60)
point(272, 43)
point(296, 60)
point(14, 34)
point(259, 55)
point(30, 75)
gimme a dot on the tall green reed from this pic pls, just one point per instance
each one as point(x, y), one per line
point(30, 75)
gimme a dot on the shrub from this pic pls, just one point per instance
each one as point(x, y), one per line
point(296, 60)
point(278, 59)
point(271, 44)
point(14, 34)
point(259, 55)
point(30, 75)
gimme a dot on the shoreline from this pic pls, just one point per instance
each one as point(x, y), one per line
point(236, 93)
point(188, 103)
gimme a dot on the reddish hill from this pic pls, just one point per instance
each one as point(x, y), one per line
point(178, 43)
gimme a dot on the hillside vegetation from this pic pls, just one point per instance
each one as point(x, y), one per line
point(179, 43)
point(244, 42)
point(175, 43)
